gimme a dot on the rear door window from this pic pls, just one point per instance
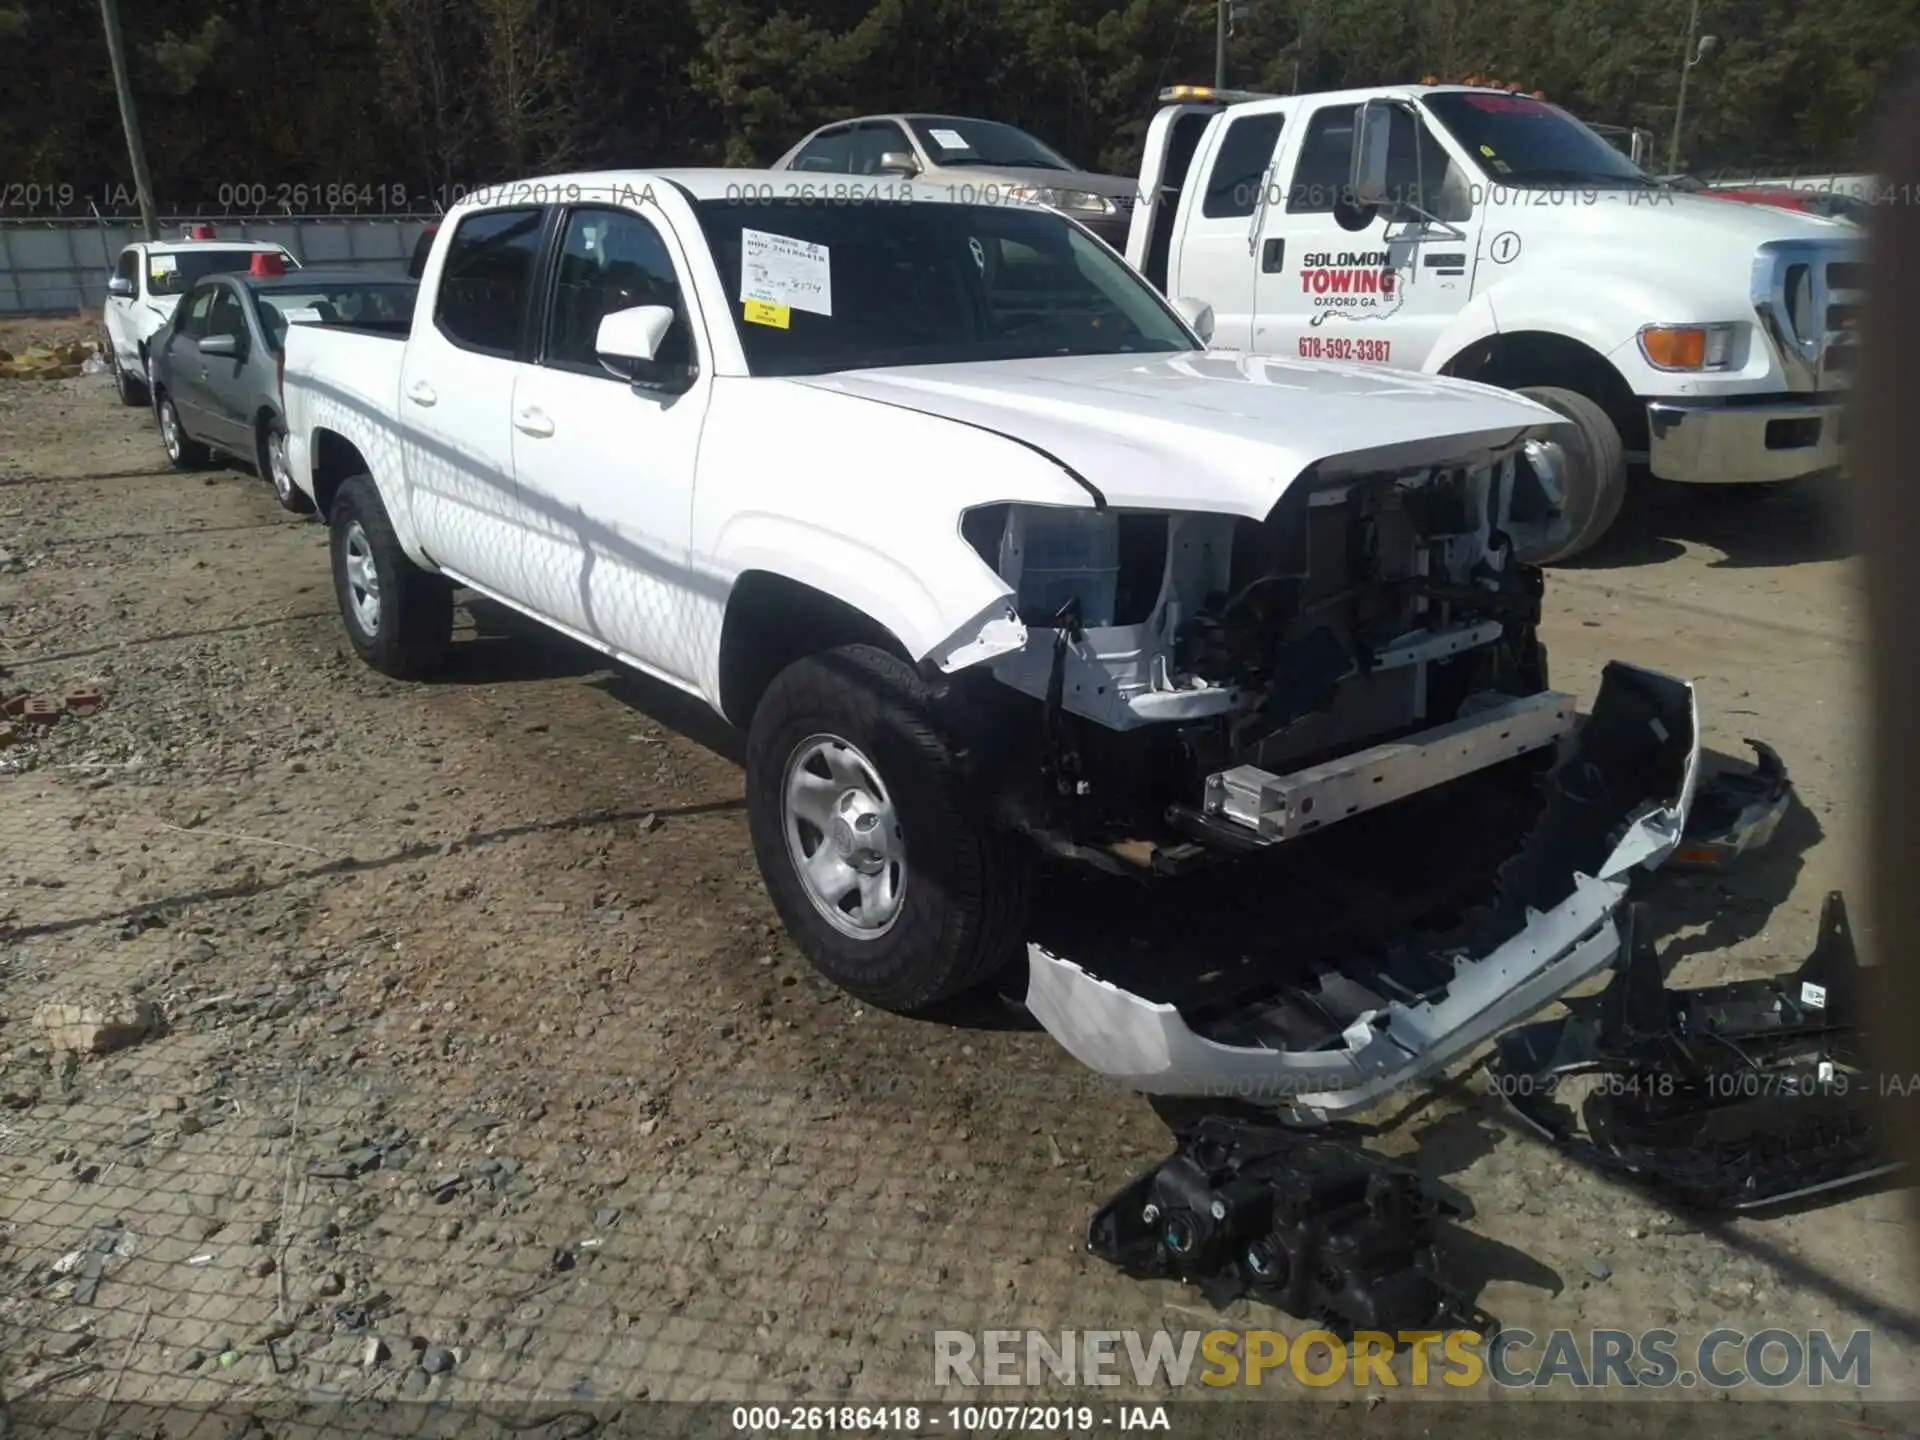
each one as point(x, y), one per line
point(486, 280)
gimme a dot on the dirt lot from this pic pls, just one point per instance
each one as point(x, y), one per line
point(479, 1032)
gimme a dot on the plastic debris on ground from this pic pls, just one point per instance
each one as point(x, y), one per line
point(1735, 812)
point(1319, 1228)
point(1724, 1097)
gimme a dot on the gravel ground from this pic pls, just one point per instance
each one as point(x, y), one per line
point(483, 1071)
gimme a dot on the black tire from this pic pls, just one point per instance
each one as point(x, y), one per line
point(131, 389)
point(183, 451)
point(965, 884)
point(412, 626)
point(273, 432)
point(1596, 473)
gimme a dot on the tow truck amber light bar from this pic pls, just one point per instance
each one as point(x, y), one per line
point(1481, 82)
point(1205, 93)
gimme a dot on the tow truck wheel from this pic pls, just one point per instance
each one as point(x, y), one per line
point(398, 616)
point(131, 390)
point(880, 864)
point(1596, 473)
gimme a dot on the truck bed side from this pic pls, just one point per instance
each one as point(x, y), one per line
point(342, 392)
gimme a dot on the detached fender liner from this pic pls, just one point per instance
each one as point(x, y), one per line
point(1618, 801)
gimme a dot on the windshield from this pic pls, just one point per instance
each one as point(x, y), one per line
point(173, 272)
point(848, 287)
point(983, 142)
point(1525, 142)
point(378, 304)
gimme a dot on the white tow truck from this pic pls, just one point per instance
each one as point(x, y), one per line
point(1488, 234)
point(955, 517)
point(148, 279)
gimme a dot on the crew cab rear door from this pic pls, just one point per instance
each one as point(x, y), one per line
point(1338, 283)
point(1172, 137)
point(604, 464)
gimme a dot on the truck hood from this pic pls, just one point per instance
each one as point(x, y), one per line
point(1658, 228)
point(1205, 432)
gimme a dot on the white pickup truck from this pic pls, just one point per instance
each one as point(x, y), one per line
point(952, 514)
point(1488, 234)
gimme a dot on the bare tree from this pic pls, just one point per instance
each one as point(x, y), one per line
point(526, 84)
point(421, 48)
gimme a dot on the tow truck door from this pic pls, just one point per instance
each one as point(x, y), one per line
point(1337, 284)
point(1231, 184)
point(1172, 137)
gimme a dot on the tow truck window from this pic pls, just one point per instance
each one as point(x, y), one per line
point(1526, 142)
point(482, 304)
point(930, 284)
point(1240, 169)
point(611, 260)
point(1326, 160)
point(1420, 172)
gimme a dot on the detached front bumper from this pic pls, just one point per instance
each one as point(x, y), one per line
point(1704, 444)
point(1620, 801)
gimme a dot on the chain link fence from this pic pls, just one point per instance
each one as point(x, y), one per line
point(59, 266)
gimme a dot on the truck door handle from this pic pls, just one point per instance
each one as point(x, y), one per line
point(1273, 256)
point(421, 393)
point(534, 422)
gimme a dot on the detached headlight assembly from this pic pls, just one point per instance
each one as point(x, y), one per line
point(1688, 347)
point(1074, 202)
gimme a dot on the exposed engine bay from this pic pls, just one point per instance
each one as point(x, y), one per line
point(1186, 664)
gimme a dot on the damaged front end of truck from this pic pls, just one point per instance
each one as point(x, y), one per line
point(1291, 697)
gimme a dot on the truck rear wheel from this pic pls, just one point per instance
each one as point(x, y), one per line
point(888, 878)
point(1596, 472)
point(398, 616)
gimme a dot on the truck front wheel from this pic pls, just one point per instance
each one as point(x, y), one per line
point(398, 616)
point(1596, 473)
point(880, 863)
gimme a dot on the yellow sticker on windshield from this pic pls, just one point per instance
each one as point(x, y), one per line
point(1487, 150)
point(761, 312)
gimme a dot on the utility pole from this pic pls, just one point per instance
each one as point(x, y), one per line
point(129, 117)
point(1690, 55)
point(1220, 45)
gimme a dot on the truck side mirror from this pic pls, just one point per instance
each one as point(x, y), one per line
point(1198, 315)
point(629, 343)
point(1372, 132)
point(120, 288)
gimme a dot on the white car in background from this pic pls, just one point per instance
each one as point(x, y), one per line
point(147, 282)
point(968, 160)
